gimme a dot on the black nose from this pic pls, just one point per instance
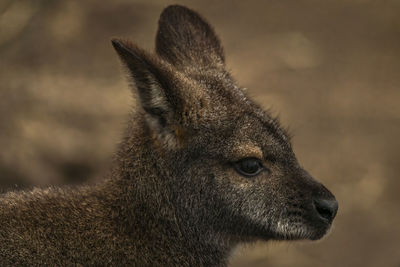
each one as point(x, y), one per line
point(326, 208)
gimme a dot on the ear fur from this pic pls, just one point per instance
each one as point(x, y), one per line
point(153, 82)
point(184, 38)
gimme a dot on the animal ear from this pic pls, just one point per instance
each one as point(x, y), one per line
point(184, 38)
point(153, 82)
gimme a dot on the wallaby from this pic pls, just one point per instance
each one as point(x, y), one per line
point(200, 170)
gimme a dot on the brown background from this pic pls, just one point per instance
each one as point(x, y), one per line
point(330, 68)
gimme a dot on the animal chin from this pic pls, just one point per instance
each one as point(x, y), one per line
point(320, 232)
point(298, 231)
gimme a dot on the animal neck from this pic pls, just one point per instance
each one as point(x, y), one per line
point(150, 214)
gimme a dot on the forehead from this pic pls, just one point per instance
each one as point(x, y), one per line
point(241, 137)
point(236, 116)
point(244, 134)
point(260, 129)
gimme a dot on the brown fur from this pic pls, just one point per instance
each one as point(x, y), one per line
point(176, 196)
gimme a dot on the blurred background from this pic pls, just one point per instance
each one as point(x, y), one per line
point(330, 69)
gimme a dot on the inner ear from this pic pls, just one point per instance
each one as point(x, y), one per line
point(155, 85)
point(184, 38)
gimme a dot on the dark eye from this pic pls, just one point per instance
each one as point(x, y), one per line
point(249, 166)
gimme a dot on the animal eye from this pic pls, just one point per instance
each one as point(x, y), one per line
point(248, 166)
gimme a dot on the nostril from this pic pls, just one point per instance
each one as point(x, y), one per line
point(324, 212)
point(326, 208)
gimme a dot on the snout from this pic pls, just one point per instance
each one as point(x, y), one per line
point(325, 208)
point(313, 205)
point(324, 204)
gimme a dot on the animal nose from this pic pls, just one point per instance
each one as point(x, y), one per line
point(326, 208)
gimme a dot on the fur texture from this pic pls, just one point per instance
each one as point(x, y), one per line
point(177, 195)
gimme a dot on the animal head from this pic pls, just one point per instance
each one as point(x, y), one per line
point(228, 163)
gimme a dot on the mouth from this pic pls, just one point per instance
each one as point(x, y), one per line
point(299, 231)
point(312, 224)
point(320, 232)
point(302, 228)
